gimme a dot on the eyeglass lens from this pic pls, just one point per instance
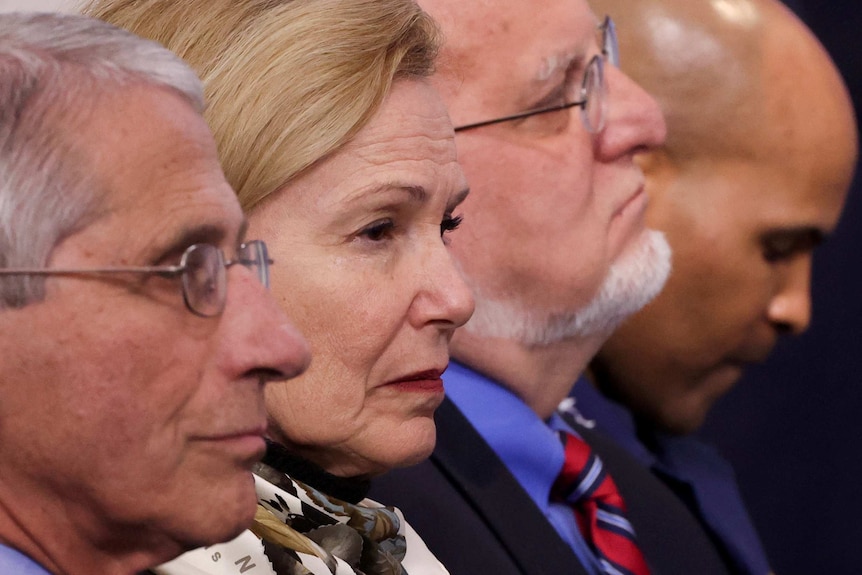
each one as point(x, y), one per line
point(205, 274)
point(610, 46)
point(204, 280)
point(593, 89)
point(589, 96)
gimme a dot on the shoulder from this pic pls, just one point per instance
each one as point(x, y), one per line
point(13, 561)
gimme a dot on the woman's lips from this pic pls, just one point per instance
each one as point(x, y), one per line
point(424, 381)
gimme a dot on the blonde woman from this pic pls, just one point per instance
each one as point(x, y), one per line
point(343, 157)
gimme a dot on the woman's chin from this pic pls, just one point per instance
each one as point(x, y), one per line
point(416, 445)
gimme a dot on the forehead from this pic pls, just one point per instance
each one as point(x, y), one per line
point(516, 39)
point(750, 196)
point(411, 132)
point(413, 108)
point(156, 161)
point(797, 161)
point(522, 24)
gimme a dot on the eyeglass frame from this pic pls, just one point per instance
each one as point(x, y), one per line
point(171, 271)
point(609, 52)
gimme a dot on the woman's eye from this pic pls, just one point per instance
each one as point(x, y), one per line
point(378, 231)
point(450, 223)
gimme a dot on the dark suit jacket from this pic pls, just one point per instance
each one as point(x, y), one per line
point(478, 520)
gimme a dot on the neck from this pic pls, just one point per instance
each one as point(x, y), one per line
point(279, 458)
point(542, 376)
point(52, 534)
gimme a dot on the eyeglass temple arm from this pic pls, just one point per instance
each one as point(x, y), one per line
point(527, 114)
point(166, 270)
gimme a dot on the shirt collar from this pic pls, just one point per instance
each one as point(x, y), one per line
point(529, 448)
point(612, 419)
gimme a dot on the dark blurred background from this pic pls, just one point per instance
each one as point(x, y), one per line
point(793, 427)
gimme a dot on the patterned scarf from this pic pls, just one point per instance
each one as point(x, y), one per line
point(299, 530)
point(298, 523)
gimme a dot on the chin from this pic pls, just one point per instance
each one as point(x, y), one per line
point(682, 417)
point(416, 445)
point(682, 425)
point(228, 512)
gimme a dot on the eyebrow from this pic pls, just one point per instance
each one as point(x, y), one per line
point(213, 234)
point(814, 234)
point(564, 60)
point(799, 239)
point(417, 194)
point(552, 65)
point(458, 199)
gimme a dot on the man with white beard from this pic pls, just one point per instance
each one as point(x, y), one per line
point(555, 247)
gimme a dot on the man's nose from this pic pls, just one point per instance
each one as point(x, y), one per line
point(260, 340)
point(790, 307)
point(634, 120)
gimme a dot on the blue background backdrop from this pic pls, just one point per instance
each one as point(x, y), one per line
point(793, 427)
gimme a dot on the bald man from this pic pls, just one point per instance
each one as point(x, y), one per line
point(753, 176)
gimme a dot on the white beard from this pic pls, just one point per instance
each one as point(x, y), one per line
point(633, 280)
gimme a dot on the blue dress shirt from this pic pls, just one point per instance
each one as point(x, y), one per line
point(707, 477)
point(13, 562)
point(528, 446)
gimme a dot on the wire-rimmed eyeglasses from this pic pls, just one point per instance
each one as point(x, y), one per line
point(203, 270)
point(590, 95)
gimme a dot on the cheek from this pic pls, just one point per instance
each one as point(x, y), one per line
point(118, 397)
point(313, 409)
point(146, 389)
point(526, 184)
point(721, 288)
point(350, 315)
point(531, 219)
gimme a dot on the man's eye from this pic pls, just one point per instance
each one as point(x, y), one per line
point(559, 97)
point(774, 251)
point(784, 246)
point(378, 231)
point(552, 117)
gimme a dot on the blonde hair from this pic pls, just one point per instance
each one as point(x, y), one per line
point(287, 82)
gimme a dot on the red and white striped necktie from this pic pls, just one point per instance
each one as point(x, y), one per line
point(599, 509)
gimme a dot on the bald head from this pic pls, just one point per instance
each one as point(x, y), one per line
point(715, 66)
point(760, 152)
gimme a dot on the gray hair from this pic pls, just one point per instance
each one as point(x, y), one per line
point(53, 68)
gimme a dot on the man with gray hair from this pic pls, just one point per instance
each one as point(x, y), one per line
point(133, 351)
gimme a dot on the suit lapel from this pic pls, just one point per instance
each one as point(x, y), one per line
point(669, 535)
point(522, 529)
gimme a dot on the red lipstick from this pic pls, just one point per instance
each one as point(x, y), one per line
point(422, 381)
